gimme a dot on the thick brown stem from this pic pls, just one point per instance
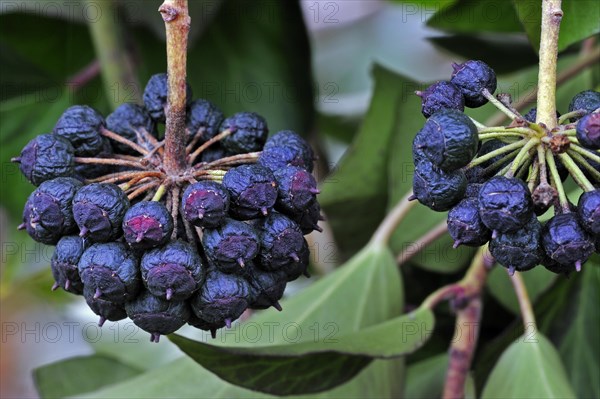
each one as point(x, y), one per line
point(177, 25)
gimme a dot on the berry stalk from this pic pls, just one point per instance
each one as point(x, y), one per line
point(546, 106)
point(524, 302)
point(177, 25)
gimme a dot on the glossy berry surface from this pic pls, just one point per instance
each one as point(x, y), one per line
point(505, 204)
point(64, 263)
point(47, 157)
point(147, 224)
point(107, 310)
point(473, 77)
point(205, 204)
point(287, 148)
point(519, 250)
point(281, 242)
point(588, 131)
point(230, 246)
point(465, 225)
point(441, 95)
point(252, 191)
point(127, 121)
point(586, 101)
point(296, 188)
point(81, 126)
point(203, 119)
point(436, 189)
point(588, 211)
point(566, 242)
point(248, 132)
point(155, 96)
point(267, 288)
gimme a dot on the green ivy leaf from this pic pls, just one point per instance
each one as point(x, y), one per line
point(425, 379)
point(79, 375)
point(529, 368)
point(468, 16)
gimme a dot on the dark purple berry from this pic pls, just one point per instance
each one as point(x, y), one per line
point(155, 96)
point(202, 324)
point(213, 153)
point(46, 157)
point(147, 224)
point(441, 95)
point(203, 118)
point(81, 125)
point(173, 271)
point(248, 132)
point(465, 225)
point(519, 250)
point(531, 116)
point(128, 120)
point(287, 148)
point(472, 190)
point(489, 146)
point(91, 171)
point(566, 242)
point(156, 315)
point(230, 246)
point(587, 101)
point(64, 264)
point(473, 77)
point(296, 268)
point(588, 211)
point(281, 242)
point(107, 310)
point(266, 287)
point(449, 139)
point(112, 270)
point(205, 204)
point(98, 209)
point(308, 218)
point(252, 191)
point(437, 189)
point(588, 131)
point(297, 189)
point(505, 204)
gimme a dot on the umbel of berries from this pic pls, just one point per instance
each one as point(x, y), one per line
point(198, 244)
point(494, 181)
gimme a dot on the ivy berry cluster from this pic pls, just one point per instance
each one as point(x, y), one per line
point(496, 181)
point(199, 246)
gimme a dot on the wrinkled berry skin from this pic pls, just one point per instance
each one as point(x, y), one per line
point(566, 242)
point(465, 225)
point(202, 324)
point(588, 131)
point(295, 269)
point(519, 250)
point(205, 204)
point(155, 96)
point(473, 77)
point(64, 264)
point(81, 126)
point(588, 211)
point(449, 139)
point(173, 271)
point(505, 204)
point(212, 153)
point(308, 219)
point(441, 95)
point(252, 191)
point(107, 310)
point(48, 213)
point(91, 171)
point(46, 157)
point(204, 115)
point(436, 189)
point(287, 148)
point(266, 287)
point(156, 315)
point(281, 242)
point(112, 270)
point(125, 121)
point(98, 209)
point(248, 133)
point(489, 146)
point(230, 246)
point(147, 224)
point(296, 188)
point(222, 299)
point(588, 101)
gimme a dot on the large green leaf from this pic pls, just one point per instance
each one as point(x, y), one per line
point(529, 368)
point(474, 16)
point(425, 379)
point(79, 375)
point(354, 197)
point(580, 20)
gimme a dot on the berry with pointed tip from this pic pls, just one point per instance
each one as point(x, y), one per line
point(81, 126)
point(155, 96)
point(111, 270)
point(566, 242)
point(205, 204)
point(64, 264)
point(248, 132)
point(588, 131)
point(47, 214)
point(441, 95)
point(505, 204)
point(587, 101)
point(287, 148)
point(203, 118)
point(230, 246)
point(156, 315)
point(588, 211)
point(127, 120)
point(308, 218)
point(472, 78)
point(107, 310)
point(449, 140)
point(252, 191)
point(222, 299)
point(267, 287)
point(436, 189)
point(281, 241)
point(46, 157)
point(519, 250)
point(174, 271)
point(465, 225)
point(202, 324)
point(98, 209)
point(296, 188)
point(297, 266)
point(147, 224)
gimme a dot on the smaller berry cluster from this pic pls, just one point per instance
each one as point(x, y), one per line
point(199, 245)
point(496, 181)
